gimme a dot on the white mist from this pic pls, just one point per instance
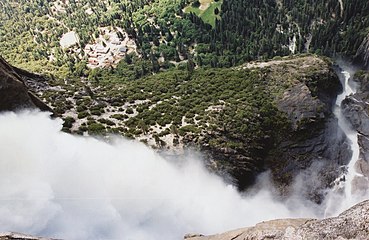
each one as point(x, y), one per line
point(58, 185)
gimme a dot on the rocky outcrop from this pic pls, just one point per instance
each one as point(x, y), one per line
point(300, 106)
point(314, 136)
point(351, 224)
point(14, 93)
point(355, 107)
point(19, 236)
point(303, 91)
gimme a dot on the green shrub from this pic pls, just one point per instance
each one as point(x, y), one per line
point(118, 116)
point(106, 121)
point(95, 128)
point(68, 122)
point(83, 128)
point(129, 111)
point(83, 114)
point(81, 108)
point(96, 112)
point(189, 128)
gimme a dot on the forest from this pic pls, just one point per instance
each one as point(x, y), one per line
point(177, 34)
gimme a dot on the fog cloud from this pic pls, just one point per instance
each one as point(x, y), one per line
point(64, 186)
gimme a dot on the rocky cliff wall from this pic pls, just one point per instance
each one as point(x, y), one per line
point(310, 135)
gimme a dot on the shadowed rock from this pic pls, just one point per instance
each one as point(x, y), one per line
point(14, 94)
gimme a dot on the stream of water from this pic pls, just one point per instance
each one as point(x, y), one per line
point(343, 195)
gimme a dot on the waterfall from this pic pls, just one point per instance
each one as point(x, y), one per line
point(343, 195)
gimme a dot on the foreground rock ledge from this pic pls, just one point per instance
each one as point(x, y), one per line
point(351, 224)
point(19, 236)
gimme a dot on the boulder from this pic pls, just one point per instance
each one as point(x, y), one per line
point(354, 107)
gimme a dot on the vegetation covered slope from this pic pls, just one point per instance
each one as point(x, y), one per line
point(236, 116)
point(278, 27)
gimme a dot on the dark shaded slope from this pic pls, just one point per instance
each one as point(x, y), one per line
point(14, 94)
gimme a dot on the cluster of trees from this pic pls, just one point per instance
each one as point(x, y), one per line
point(234, 102)
point(253, 29)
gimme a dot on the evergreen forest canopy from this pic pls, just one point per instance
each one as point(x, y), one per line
point(177, 33)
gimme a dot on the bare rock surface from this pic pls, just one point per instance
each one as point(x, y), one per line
point(351, 224)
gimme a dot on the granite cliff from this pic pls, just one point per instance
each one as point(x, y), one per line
point(309, 134)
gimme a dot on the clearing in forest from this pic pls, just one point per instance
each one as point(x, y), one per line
point(207, 10)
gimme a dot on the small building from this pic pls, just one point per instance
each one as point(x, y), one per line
point(123, 50)
point(102, 50)
point(93, 62)
point(69, 39)
point(88, 47)
point(116, 42)
point(92, 54)
point(107, 61)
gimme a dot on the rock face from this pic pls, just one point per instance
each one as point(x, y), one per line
point(355, 107)
point(14, 94)
point(303, 91)
point(314, 135)
point(351, 224)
